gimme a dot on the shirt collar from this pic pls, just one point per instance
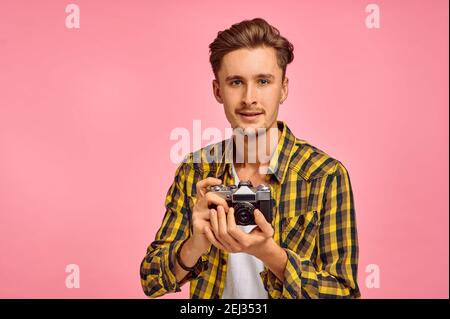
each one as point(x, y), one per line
point(279, 162)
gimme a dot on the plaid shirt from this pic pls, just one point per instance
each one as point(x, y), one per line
point(314, 222)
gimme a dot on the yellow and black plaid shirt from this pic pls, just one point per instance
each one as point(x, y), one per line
point(314, 221)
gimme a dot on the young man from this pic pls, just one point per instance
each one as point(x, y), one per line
point(309, 249)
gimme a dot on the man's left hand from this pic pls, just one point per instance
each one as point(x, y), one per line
point(225, 235)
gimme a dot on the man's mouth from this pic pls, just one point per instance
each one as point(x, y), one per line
point(250, 115)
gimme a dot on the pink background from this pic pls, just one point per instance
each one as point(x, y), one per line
point(86, 115)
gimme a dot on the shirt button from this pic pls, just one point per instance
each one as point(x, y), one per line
point(301, 220)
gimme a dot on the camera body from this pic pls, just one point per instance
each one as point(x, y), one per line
point(244, 199)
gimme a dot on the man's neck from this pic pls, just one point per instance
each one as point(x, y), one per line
point(253, 152)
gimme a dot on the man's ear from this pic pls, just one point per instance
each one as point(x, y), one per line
point(216, 91)
point(284, 90)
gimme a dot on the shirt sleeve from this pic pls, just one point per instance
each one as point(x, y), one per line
point(156, 269)
point(337, 252)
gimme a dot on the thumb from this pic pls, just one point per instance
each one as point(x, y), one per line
point(262, 223)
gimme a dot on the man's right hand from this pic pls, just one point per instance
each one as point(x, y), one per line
point(198, 243)
point(201, 215)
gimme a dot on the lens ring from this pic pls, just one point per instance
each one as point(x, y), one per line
point(243, 213)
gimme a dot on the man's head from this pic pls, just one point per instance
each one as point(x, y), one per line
point(249, 62)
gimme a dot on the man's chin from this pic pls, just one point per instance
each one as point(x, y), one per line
point(250, 129)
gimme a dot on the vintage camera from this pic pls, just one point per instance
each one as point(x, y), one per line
point(244, 199)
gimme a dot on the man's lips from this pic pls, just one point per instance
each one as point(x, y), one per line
point(250, 116)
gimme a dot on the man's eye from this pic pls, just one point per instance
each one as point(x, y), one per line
point(238, 82)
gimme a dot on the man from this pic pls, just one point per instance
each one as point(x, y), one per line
point(309, 249)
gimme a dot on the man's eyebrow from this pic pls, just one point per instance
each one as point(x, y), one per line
point(257, 76)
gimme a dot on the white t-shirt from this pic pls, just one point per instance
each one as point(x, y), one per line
point(242, 279)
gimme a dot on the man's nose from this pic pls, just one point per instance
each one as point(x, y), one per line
point(250, 95)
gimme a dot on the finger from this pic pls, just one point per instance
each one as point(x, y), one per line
point(216, 200)
point(231, 222)
point(209, 234)
point(262, 223)
point(224, 237)
point(215, 228)
point(204, 183)
point(214, 221)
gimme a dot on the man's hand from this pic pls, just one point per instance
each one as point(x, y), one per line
point(198, 243)
point(201, 215)
point(227, 236)
point(259, 242)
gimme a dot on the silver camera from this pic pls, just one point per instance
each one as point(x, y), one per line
point(244, 199)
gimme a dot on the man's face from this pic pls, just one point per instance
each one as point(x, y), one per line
point(250, 87)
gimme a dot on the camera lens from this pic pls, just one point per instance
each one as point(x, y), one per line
point(243, 213)
point(243, 217)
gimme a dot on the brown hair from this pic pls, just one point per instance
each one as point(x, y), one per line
point(250, 34)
